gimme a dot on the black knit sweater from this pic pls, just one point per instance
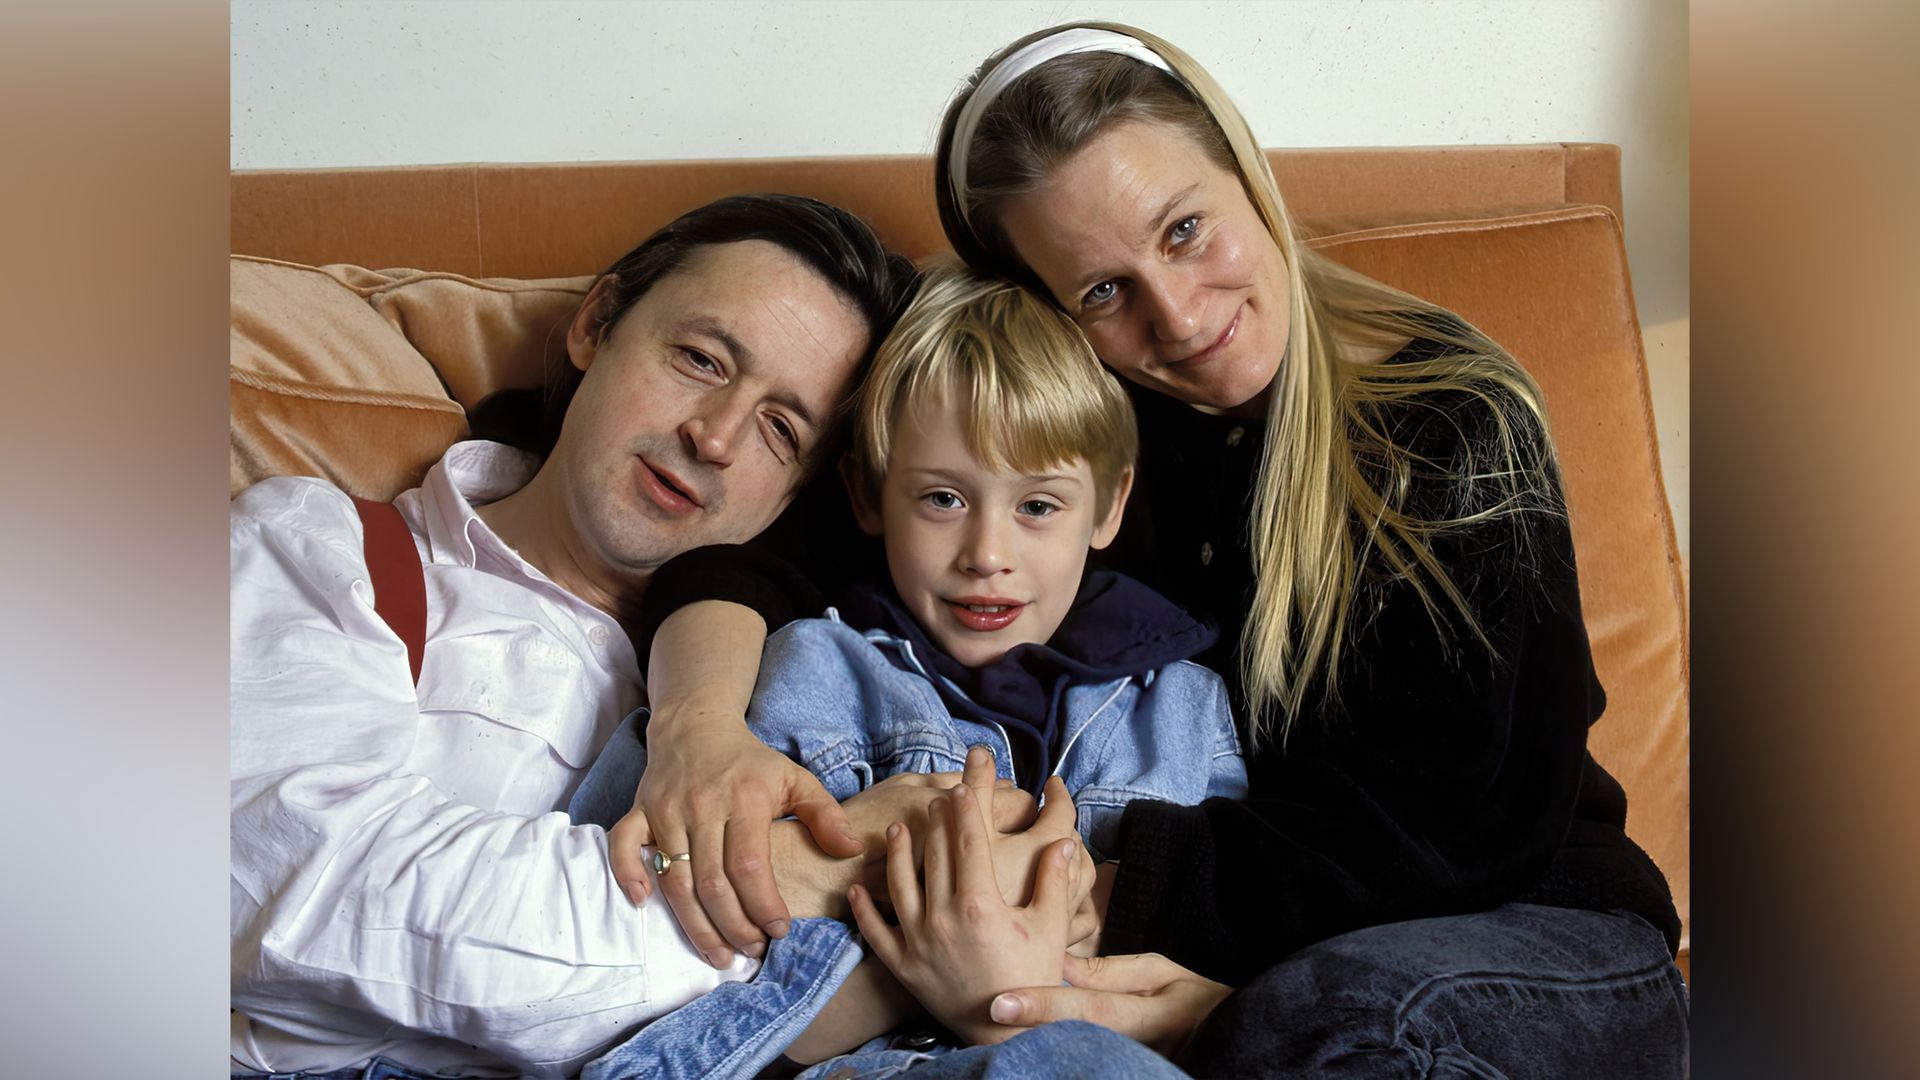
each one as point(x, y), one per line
point(1440, 777)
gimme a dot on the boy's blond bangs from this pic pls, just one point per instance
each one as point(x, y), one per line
point(1035, 396)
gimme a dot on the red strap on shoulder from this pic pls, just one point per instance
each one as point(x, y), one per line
point(399, 585)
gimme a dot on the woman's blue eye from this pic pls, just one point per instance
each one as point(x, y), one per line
point(1184, 230)
point(1101, 293)
point(942, 500)
point(1037, 508)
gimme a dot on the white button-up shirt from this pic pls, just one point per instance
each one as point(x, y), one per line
point(405, 880)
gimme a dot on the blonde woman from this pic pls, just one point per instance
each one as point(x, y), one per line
point(1362, 489)
point(1430, 875)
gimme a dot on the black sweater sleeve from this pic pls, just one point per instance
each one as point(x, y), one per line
point(1442, 779)
point(790, 571)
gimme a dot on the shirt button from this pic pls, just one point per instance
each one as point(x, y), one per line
point(1234, 436)
point(1206, 554)
point(598, 635)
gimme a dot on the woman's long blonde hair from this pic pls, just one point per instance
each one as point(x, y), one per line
point(1336, 509)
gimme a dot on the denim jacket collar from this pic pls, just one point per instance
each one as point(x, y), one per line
point(1116, 628)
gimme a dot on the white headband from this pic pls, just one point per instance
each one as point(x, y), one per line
point(1065, 43)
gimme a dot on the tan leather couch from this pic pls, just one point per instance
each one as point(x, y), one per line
point(342, 370)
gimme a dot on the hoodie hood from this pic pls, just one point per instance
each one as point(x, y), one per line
point(1117, 628)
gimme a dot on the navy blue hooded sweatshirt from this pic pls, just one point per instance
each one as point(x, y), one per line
point(1116, 628)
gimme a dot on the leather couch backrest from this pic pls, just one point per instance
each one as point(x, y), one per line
point(541, 221)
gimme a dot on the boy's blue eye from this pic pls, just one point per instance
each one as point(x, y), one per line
point(1037, 508)
point(942, 500)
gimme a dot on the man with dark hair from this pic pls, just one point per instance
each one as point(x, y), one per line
point(404, 883)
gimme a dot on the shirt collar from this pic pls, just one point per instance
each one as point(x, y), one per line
point(471, 474)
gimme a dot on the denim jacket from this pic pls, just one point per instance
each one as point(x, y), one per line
point(1165, 735)
point(857, 707)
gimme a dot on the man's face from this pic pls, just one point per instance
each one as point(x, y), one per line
point(701, 405)
point(984, 558)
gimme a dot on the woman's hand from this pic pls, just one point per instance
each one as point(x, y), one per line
point(959, 941)
point(1144, 996)
point(712, 790)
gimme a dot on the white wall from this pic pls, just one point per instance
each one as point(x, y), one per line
point(332, 84)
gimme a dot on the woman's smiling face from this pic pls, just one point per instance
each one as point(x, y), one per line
point(1159, 256)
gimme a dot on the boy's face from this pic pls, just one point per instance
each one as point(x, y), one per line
point(985, 559)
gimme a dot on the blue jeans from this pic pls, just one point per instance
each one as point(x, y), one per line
point(1519, 991)
point(1062, 1051)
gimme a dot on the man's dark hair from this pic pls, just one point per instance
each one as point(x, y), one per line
point(838, 246)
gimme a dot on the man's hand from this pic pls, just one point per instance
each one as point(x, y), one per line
point(712, 790)
point(907, 798)
point(1144, 996)
point(815, 884)
point(1083, 936)
point(959, 940)
point(1021, 832)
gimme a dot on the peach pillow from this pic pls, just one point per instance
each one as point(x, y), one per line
point(363, 376)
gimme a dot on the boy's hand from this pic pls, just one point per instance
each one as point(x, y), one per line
point(815, 885)
point(906, 798)
point(1022, 831)
point(959, 941)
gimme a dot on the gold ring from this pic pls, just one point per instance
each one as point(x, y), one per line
point(663, 862)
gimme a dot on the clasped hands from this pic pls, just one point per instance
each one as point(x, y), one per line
point(712, 791)
point(731, 898)
point(967, 927)
point(988, 960)
point(989, 966)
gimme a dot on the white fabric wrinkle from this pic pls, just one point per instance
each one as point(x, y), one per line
point(400, 863)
